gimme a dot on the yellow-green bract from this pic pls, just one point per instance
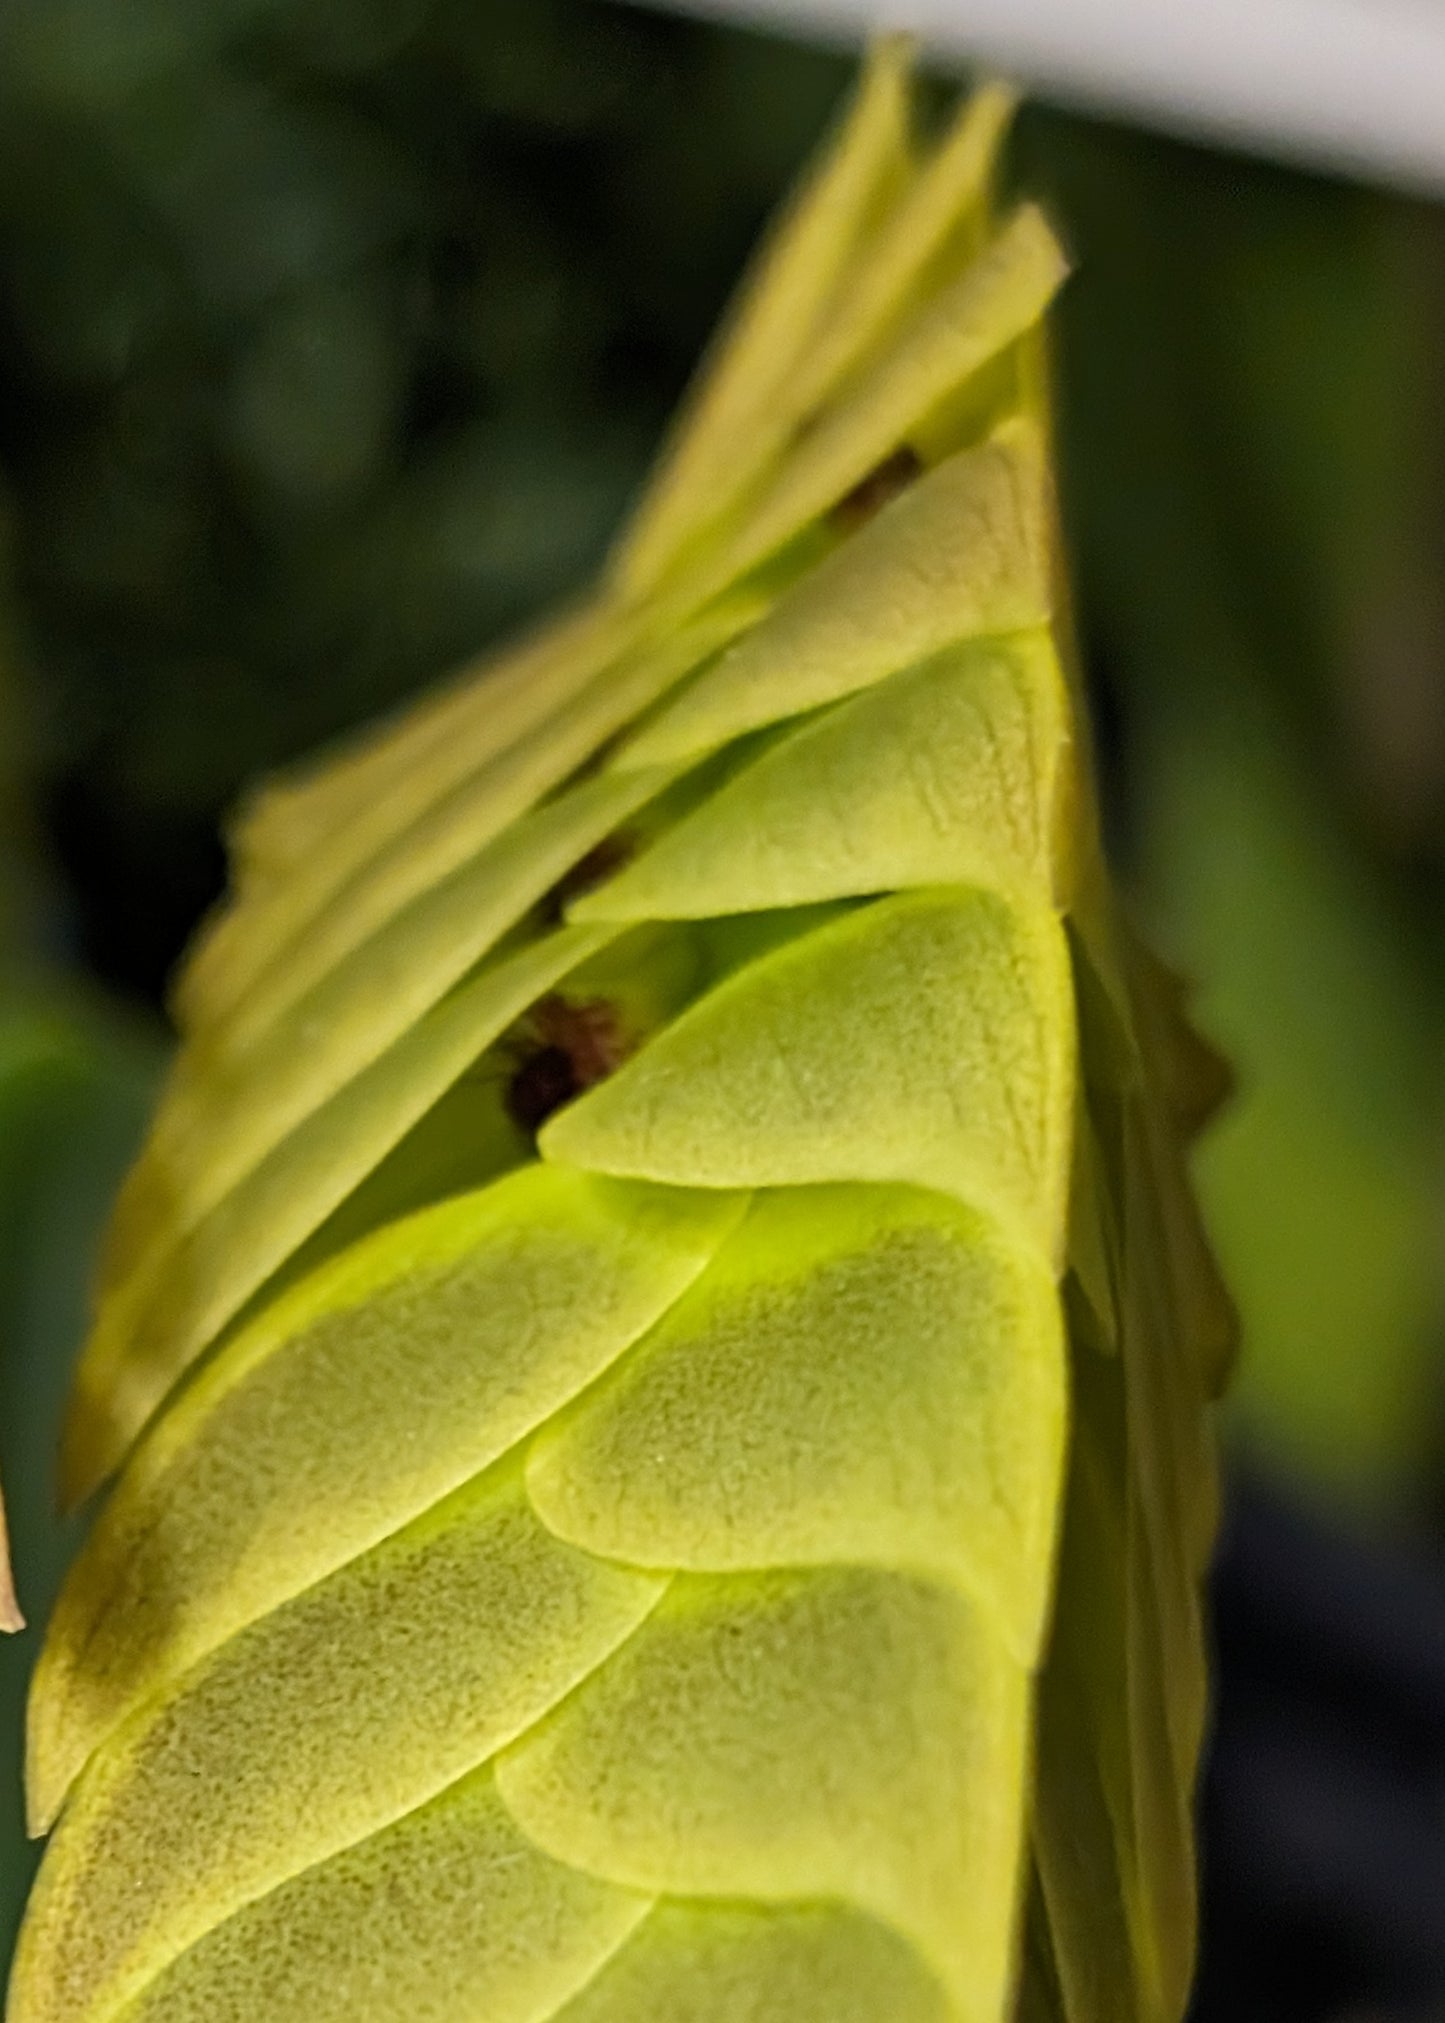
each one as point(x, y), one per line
point(658, 1354)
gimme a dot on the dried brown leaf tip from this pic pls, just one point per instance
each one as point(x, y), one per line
point(565, 1049)
point(10, 1616)
point(872, 493)
point(599, 864)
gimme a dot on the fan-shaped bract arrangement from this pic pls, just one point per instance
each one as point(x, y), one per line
point(657, 1354)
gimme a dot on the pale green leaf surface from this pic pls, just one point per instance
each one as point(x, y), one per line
point(727, 1964)
point(830, 1314)
point(780, 311)
point(937, 225)
point(959, 555)
point(284, 816)
point(321, 801)
point(230, 1124)
point(265, 1760)
point(966, 328)
point(934, 229)
point(450, 1916)
point(840, 1734)
point(231, 1109)
point(471, 1134)
point(457, 827)
point(973, 738)
point(472, 714)
point(923, 1039)
point(136, 1353)
point(352, 806)
point(373, 1390)
point(466, 1139)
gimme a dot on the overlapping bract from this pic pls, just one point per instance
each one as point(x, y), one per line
point(609, 1575)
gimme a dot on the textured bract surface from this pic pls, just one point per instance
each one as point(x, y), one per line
point(656, 1359)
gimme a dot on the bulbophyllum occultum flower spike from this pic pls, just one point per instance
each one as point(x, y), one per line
point(656, 1360)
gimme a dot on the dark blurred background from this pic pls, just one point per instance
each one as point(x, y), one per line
point(334, 335)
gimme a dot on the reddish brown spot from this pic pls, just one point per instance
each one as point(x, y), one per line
point(567, 1048)
point(594, 869)
point(545, 1081)
point(871, 493)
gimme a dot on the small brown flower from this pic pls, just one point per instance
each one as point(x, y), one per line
point(567, 1048)
point(594, 869)
point(872, 493)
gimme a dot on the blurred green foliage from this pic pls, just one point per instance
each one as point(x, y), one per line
point(76, 1073)
point(334, 335)
point(338, 334)
point(1322, 1179)
point(1253, 399)
point(73, 1091)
